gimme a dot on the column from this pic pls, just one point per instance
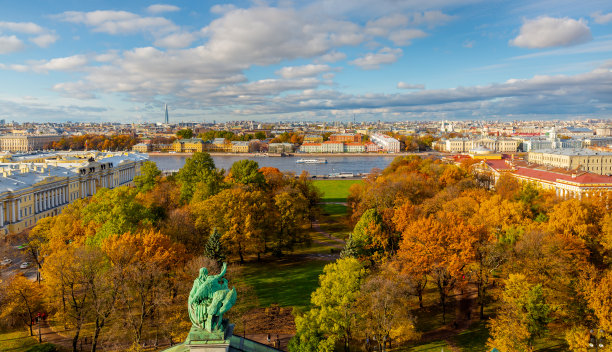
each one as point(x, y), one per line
point(19, 209)
point(35, 203)
point(13, 218)
point(1, 214)
point(47, 200)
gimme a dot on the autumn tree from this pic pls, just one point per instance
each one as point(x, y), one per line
point(145, 261)
point(442, 247)
point(243, 217)
point(22, 301)
point(185, 133)
point(382, 310)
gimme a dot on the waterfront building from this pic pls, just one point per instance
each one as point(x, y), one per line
point(280, 148)
point(463, 145)
point(26, 143)
point(597, 162)
point(354, 148)
point(141, 148)
point(31, 191)
point(345, 137)
point(310, 148)
point(241, 147)
point(332, 147)
point(386, 143)
point(188, 145)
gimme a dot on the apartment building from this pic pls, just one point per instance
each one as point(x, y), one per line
point(31, 191)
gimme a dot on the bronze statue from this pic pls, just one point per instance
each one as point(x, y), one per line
point(209, 299)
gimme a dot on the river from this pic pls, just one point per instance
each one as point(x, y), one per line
point(335, 164)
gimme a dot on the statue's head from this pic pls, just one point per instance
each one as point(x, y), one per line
point(203, 272)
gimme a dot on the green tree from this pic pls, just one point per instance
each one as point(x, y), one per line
point(199, 177)
point(186, 133)
point(148, 176)
point(260, 135)
point(115, 211)
point(247, 172)
point(334, 305)
point(214, 247)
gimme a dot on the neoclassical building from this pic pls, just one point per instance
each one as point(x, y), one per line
point(31, 188)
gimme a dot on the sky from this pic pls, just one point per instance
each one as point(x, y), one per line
point(320, 60)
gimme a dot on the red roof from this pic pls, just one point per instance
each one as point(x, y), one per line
point(498, 165)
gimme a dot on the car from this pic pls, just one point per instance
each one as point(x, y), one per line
point(24, 265)
point(6, 261)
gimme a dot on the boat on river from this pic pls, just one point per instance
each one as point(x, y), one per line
point(311, 161)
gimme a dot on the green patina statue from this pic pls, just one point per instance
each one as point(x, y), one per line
point(209, 299)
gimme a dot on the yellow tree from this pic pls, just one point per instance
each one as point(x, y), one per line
point(22, 301)
point(145, 261)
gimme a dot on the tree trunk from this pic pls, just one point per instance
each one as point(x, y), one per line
point(482, 302)
point(75, 339)
point(420, 299)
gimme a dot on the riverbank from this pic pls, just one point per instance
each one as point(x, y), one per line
point(301, 155)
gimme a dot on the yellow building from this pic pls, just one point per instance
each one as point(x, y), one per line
point(141, 148)
point(241, 147)
point(31, 191)
point(597, 162)
point(188, 145)
point(313, 138)
point(26, 143)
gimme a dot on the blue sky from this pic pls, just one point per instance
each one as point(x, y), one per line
point(305, 60)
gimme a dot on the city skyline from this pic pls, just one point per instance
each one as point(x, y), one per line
point(321, 60)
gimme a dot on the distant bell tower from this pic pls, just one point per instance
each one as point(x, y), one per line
point(166, 114)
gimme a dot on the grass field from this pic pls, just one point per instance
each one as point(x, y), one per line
point(283, 283)
point(16, 341)
point(334, 190)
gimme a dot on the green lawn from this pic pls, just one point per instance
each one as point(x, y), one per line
point(435, 346)
point(16, 341)
point(335, 190)
point(333, 209)
point(474, 338)
point(287, 284)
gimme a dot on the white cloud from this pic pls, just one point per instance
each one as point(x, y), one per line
point(405, 36)
point(10, 44)
point(601, 18)
point(404, 85)
point(546, 32)
point(302, 71)
point(161, 8)
point(468, 44)
point(69, 63)
point(118, 22)
point(176, 40)
point(221, 9)
point(44, 40)
point(22, 27)
point(372, 61)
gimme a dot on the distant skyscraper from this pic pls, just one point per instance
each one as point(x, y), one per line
point(166, 113)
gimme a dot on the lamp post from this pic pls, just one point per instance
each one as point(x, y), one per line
point(596, 340)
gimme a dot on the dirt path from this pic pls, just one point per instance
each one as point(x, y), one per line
point(51, 336)
point(340, 242)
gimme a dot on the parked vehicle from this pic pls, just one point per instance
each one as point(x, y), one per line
point(24, 265)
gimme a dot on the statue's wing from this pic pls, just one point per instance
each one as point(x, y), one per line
point(228, 302)
point(222, 273)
